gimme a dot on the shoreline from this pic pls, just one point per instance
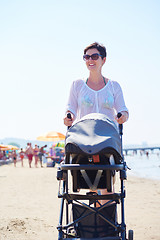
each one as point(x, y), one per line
point(30, 207)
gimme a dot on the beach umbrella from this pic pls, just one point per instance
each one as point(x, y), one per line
point(60, 144)
point(44, 139)
point(8, 147)
point(11, 147)
point(3, 147)
point(52, 136)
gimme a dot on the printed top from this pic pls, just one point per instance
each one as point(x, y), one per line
point(83, 100)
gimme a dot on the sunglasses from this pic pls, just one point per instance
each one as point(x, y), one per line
point(94, 56)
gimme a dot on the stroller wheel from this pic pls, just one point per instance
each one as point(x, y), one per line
point(130, 235)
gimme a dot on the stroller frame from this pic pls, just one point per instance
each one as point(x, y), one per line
point(67, 230)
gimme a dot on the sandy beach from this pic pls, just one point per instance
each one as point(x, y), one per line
point(29, 206)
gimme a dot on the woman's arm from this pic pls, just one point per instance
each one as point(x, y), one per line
point(119, 103)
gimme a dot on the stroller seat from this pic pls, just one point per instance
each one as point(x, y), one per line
point(92, 134)
point(94, 140)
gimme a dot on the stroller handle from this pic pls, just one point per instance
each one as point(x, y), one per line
point(118, 115)
point(69, 116)
point(92, 167)
point(120, 125)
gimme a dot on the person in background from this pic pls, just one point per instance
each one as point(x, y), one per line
point(1, 154)
point(36, 154)
point(29, 153)
point(14, 157)
point(41, 154)
point(52, 152)
point(21, 155)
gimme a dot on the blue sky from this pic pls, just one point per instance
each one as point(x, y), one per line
point(41, 48)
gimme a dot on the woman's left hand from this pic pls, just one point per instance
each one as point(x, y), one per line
point(123, 118)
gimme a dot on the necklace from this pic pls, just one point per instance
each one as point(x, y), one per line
point(103, 80)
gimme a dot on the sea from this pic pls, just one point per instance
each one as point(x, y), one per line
point(144, 166)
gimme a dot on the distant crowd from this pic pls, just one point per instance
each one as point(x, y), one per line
point(35, 153)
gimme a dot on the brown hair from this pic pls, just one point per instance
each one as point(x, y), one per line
point(101, 49)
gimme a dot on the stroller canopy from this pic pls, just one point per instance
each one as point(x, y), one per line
point(93, 133)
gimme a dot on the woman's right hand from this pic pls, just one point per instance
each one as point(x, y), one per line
point(68, 121)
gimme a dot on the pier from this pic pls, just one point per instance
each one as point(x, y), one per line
point(140, 149)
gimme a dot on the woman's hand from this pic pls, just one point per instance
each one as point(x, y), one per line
point(67, 121)
point(123, 118)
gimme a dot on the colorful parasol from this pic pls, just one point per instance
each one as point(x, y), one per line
point(60, 144)
point(51, 137)
point(8, 147)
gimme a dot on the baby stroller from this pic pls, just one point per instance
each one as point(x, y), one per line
point(93, 154)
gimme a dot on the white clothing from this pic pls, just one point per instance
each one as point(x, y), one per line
point(84, 100)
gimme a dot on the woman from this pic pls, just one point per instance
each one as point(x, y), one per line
point(97, 94)
point(36, 154)
point(14, 156)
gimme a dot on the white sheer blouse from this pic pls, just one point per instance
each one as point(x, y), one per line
point(83, 100)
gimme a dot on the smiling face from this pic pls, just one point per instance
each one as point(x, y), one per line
point(94, 65)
